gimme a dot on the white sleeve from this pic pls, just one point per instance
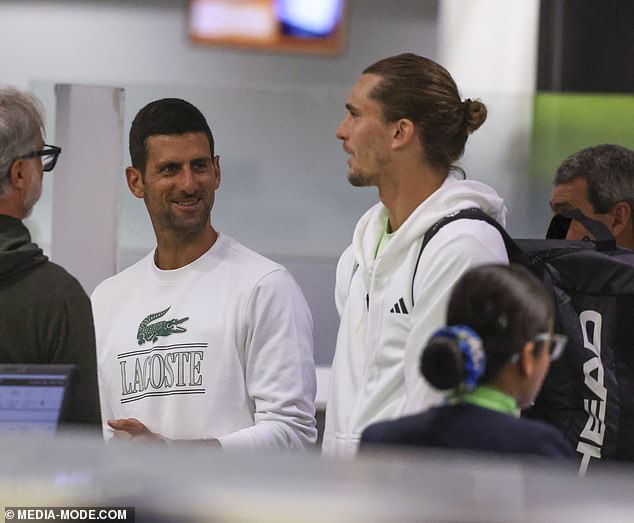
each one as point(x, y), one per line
point(104, 396)
point(346, 267)
point(456, 248)
point(279, 368)
point(106, 409)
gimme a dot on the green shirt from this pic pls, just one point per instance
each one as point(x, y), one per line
point(488, 398)
point(385, 239)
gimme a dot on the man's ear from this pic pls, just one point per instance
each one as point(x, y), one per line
point(134, 178)
point(217, 170)
point(18, 174)
point(620, 218)
point(403, 133)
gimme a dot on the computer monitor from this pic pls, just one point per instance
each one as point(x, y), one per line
point(33, 397)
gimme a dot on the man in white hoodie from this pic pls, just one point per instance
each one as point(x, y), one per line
point(405, 128)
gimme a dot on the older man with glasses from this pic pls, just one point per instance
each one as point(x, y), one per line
point(45, 314)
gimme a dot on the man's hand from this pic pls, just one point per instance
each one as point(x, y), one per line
point(132, 429)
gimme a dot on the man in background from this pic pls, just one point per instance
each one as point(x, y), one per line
point(589, 393)
point(45, 315)
point(599, 181)
point(203, 340)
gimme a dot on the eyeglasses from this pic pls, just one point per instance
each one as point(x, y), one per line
point(557, 343)
point(48, 154)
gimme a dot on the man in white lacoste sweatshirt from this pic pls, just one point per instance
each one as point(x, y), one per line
point(203, 340)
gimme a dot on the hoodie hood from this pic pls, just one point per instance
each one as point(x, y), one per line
point(453, 195)
point(18, 254)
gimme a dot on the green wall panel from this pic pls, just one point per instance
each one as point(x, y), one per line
point(565, 123)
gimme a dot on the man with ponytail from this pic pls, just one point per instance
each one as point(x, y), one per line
point(405, 128)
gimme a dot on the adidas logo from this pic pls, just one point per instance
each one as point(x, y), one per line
point(399, 307)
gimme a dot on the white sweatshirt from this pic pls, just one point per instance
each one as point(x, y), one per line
point(220, 348)
point(375, 374)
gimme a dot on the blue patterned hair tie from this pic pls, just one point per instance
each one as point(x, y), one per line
point(470, 345)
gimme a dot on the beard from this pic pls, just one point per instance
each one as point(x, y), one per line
point(32, 196)
point(183, 225)
point(359, 179)
point(369, 167)
point(368, 177)
point(186, 226)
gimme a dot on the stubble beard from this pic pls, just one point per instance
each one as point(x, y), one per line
point(357, 180)
point(361, 179)
point(185, 227)
point(368, 178)
point(31, 198)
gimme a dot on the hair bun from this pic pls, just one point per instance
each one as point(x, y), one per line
point(442, 363)
point(453, 356)
point(475, 114)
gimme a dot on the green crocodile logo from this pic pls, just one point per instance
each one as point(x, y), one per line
point(151, 331)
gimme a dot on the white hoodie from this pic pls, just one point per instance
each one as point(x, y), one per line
point(375, 374)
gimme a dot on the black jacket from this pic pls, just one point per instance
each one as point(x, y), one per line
point(470, 427)
point(45, 316)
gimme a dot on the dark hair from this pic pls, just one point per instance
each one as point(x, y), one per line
point(609, 172)
point(423, 91)
point(505, 305)
point(164, 117)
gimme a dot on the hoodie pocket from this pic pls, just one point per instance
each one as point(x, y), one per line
point(396, 329)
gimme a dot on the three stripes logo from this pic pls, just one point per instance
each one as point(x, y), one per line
point(399, 307)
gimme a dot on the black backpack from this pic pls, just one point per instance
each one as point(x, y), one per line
point(588, 392)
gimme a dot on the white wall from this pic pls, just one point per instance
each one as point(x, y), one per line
point(84, 227)
point(490, 45)
point(490, 48)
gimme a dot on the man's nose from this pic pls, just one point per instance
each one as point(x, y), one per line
point(187, 180)
point(576, 231)
point(341, 132)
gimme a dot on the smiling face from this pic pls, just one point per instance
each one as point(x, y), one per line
point(365, 135)
point(178, 185)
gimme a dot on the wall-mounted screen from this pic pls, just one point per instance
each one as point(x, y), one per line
point(301, 26)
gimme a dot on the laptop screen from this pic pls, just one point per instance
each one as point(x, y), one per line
point(33, 398)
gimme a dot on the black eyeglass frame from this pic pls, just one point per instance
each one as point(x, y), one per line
point(47, 150)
